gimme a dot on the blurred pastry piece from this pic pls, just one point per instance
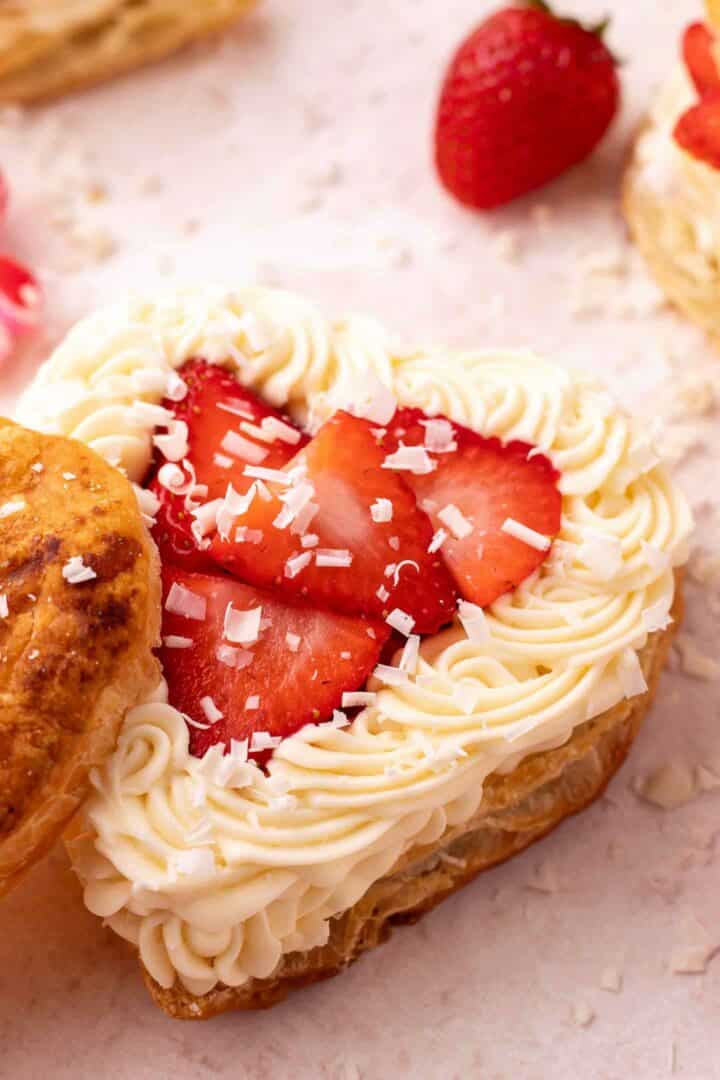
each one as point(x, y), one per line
point(671, 193)
point(713, 13)
point(50, 47)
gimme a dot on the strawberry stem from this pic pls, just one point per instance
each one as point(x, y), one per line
point(599, 29)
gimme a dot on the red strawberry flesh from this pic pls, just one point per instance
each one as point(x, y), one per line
point(698, 48)
point(390, 565)
point(698, 130)
point(300, 666)
point(487, 483)
point(215, 405)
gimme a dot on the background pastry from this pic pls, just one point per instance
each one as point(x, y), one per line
point(49, 47)
point(672, 186)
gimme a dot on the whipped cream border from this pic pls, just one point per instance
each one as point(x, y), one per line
point(215, 870)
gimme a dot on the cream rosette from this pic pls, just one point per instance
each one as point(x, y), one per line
point(215, 869)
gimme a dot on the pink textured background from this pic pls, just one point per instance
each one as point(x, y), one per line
point(300, 146)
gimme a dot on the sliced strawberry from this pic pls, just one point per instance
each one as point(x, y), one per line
point(294, 674)
point(477, 485)
point(215, 405)
point(698, 50)
point(388, 561)
point(698, 130)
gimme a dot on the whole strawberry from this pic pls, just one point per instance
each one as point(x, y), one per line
point(526, 96)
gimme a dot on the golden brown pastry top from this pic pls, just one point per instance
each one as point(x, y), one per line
point(50, 47)
point(73, 656)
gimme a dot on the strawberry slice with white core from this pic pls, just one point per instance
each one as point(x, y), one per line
point(253, 667)
point(495, 508)
point(20, 302)
point(228, 427)
point(342, 531)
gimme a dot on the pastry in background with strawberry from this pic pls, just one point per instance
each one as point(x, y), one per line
point(527, 95)
point(414, 607)
point(672, 185)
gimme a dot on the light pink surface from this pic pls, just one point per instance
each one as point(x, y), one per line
point(301, 148)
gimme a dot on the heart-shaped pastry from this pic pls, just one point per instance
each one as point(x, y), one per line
point(415, 604)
